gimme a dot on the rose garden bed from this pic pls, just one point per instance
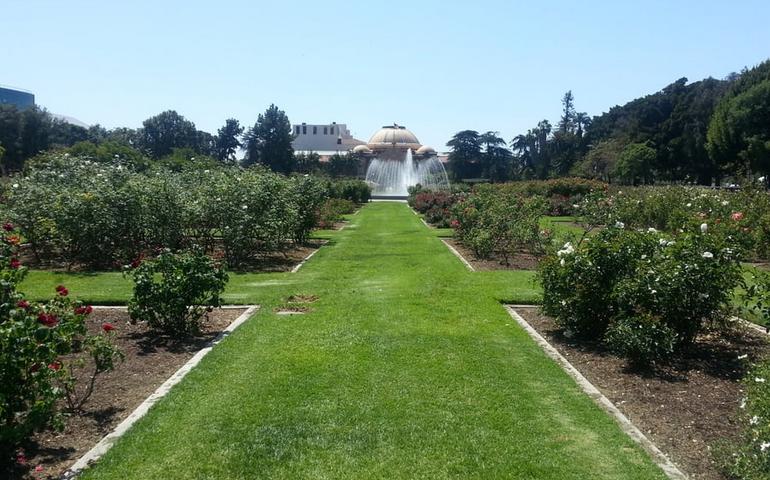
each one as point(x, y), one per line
point(520, 261)
point(689, 408)
point(150, 359)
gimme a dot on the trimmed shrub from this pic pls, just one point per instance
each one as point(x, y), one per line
point(490, 222)
point(173, 291)
point(332, 211)
point(624, 280)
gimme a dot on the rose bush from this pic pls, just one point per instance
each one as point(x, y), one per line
point(36, 340)
point(492, 222)
point(173, 291)
point(101, 216)
point(644, 293)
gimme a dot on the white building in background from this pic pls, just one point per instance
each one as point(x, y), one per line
point(323, 139)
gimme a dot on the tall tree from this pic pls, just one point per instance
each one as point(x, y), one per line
point(635, 164)
point(496, 158)
point(23, 134)
point(465, 154)
point(269, 141)
point(228, 141)
point(739, 131)
point(166, 131)
point(567, 121)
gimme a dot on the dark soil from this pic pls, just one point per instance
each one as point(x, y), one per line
point(292, 308)
point(688, 408)
point(269, 262)
point(150, 360)
point(302, 298)
point(520, 261)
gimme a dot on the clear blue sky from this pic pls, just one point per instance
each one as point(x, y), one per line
point(435, 66)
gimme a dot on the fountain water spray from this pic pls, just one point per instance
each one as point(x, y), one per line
point(392, 178)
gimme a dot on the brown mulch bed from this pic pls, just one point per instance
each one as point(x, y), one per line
point(150, 360)
point(268, 263)
point(688, 408)
point(520, 261)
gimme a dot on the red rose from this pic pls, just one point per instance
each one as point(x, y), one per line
point(8, 227)
point(737, 216)
point(55, 366)
point(84, 310)
point(62, 290)
point(15, 263)
point(22, 304)
point(455, 224)
point(21, 459)
point(108, 327)
point(48, 320)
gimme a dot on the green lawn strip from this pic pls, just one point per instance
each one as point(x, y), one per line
point(406, 367)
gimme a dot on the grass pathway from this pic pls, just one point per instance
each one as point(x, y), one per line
point(408, 367)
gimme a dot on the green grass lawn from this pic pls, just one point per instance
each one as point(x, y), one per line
point(407, 367)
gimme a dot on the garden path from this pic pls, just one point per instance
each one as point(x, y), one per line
point(407, 366)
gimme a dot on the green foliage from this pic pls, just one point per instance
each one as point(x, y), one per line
point(228, 142)
point(435, 205)
point(343, 165)
point(654, 283)
point(36, 341)
point(738, 134)
point(173, 291)
point(749, 459)
point(166, 131)
point(465, 156)
point(357, 191)
point(743, 217)
point(332, 211)
point(642, 339)
point(105, 215)
point(268, 142)
point(635, 164)
point(490, 221)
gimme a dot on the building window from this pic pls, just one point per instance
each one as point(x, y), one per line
point(296, 129)
point(331, 130)
point(315, 129)
point(326, 130)
point(339, 140)
point(304, 130)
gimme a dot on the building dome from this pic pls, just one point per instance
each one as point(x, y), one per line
point(394, 136)
point(361, 149)
point(425, 150)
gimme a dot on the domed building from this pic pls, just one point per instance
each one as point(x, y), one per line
point(391, 143)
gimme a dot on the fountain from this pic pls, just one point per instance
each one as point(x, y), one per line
point(396, 161)
point(392, 178)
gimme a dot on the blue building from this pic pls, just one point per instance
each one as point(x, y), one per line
point(13, 96)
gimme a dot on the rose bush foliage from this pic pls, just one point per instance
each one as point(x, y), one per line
point(646, 294)
point(102, 216)
point(36, 343)
point(173, 291)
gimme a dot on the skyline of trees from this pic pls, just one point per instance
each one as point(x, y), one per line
point(698, 132)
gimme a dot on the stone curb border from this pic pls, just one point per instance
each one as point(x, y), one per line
point(753, 326)
point(458, 255)
point(304, 260)
point(658, 457)
point(109, 440)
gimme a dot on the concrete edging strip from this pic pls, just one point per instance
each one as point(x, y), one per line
point(660, 459)
point(109, 440)
point(299, 265)
point(458, 255)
